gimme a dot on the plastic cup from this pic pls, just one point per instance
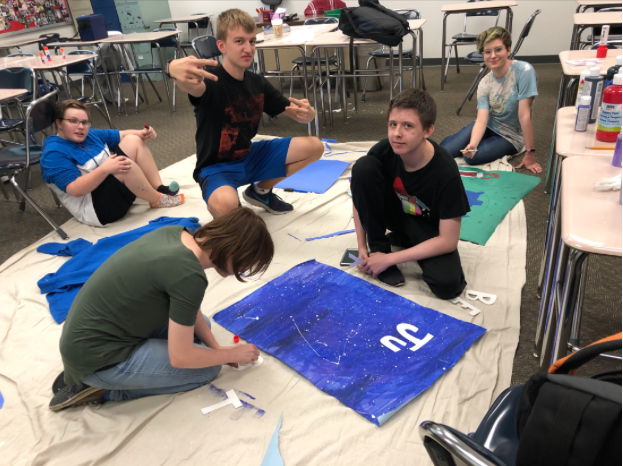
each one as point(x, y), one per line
point(277, 27)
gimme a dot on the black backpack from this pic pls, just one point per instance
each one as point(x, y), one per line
point(564, 420)
point(373, 21)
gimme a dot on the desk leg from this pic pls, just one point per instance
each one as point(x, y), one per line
point(391, 73)
point(313, 66)
point(305, 92)
point(343, 83)
point(570, 289)
point(574, 33)
point(95, 84)
point(400, 70)
point(443, 48)
point(354, 67)
point(509, 19)
point(574, 339)
point(329, 84)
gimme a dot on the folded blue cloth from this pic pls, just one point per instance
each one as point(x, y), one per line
point(73, 248)
point(63, 285)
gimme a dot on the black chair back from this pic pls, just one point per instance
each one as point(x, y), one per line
point(200, 23)
point(614, 31)
point(482, 13)
point(167, 41)
point(49, 38)
point(42, 112)
point(315, 21)
point(206, 48)
point(82, 67)
point(524, 33)
point(17, 78)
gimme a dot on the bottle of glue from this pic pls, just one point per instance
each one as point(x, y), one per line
point(602, 50)
point(609, 125)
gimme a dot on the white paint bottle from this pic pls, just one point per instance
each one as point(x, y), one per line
point(584, 112)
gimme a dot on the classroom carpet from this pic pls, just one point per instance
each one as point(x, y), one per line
point(316, 427)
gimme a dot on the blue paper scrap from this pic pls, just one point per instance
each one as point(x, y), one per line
point(273, 456)
point(317, 177)
point(1, 400)
point(337, 233)
point(372, 349)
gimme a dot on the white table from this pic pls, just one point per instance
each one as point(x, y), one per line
point(584, 5)
point(17, 43)
point(472, 7)
point(192, 19)
point(8, 94)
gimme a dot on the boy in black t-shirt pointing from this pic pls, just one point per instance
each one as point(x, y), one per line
point(411, 186)
point(228, 106)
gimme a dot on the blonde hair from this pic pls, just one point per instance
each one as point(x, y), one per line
point(496, 32)
point(231, 19)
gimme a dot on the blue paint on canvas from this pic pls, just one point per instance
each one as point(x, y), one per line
point(328, 325)
point(317, 177)
point(473, 198)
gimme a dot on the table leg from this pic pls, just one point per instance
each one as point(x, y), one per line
point(400, 70)
point(329, 87)
point(344, 82)
point(570, 288)
point(314, 51)
point(574, 338)
point(443, 48)
point(509, 19)
point(391, 73)
point(305, 92)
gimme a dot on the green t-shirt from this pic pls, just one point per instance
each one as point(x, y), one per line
point(128, 297)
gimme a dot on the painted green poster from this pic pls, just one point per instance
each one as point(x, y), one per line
point(491, 195)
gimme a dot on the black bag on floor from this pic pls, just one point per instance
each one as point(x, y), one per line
point(373, 21)
point(565, 420)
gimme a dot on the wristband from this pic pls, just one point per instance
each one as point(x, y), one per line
point(530, 150)
point(166, 70)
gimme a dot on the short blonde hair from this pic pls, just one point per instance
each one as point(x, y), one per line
point(496, 32)
point(231, 19)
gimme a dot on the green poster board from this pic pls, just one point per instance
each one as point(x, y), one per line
point(491, 195)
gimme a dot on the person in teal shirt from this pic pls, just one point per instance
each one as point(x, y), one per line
point(503, 124)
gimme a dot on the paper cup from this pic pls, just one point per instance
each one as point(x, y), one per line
point(277, 27)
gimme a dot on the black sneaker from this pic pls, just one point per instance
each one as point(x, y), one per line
point(269, 201)
point(392, 276)
point(75, 395)
point(59, 383)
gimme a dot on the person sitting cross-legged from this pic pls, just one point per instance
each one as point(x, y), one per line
point(97, 174)
point(503, 124)
point(228, 102)
point(411, 186)
point(136, 329)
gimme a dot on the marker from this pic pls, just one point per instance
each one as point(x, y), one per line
point(469, 150)
point(236, 339)
point(600, 147)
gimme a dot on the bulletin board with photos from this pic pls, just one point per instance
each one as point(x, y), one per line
point(18, 15)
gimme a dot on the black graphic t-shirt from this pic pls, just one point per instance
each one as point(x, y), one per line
point(434, 192)
point(228, 116)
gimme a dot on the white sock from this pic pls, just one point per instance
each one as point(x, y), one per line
point(260, 190)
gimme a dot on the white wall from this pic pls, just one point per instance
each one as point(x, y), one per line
point(551, 32)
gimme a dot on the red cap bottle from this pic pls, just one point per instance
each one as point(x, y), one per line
point(609, 125)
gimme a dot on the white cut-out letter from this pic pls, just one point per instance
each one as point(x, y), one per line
point(485, 298)
point(387, 341)
point(417, 343)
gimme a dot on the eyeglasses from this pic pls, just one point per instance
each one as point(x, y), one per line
point(496, 51)
point(76, 122)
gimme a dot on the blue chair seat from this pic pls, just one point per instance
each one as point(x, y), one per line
point(474, 57)
point(464, 37)
point(146, 69)
point(308, 60)
point(13, 158)
point(384, 52)
point(7, 124)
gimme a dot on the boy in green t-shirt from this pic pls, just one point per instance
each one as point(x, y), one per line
point(136, 328)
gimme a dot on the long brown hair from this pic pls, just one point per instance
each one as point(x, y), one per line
point(240, 235)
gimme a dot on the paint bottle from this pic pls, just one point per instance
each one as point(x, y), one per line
point(585, 72)
point(41, 56)
point(609, 125)
point(584, 111)
point(594, 86)
point(613, 70)
point(47, 53)
point(63, 54)
point(616, 158)
point(602, 50)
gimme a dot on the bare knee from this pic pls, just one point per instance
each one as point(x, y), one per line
point(316, 148)
point(131, 172)
point(131, 144)
point(221, 203)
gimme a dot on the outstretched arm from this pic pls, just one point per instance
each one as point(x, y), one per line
point(478, 131)
point(525, 120)
point(300, 110)
point(189, 74)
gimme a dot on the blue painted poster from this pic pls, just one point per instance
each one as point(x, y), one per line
point(370, 348)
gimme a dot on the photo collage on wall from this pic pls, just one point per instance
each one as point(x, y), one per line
point(16, 15)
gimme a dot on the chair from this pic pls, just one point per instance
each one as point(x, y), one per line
point(16, 78)
point(84, 70)
point(18, 159)
point(463, 38)
point(146, 70)
point(197, 25)
point(383, 52)
point(205, 47)
point(47, 39)
point(477, 58)
point(298, 61)
point(494, 443)
point(614, 36)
